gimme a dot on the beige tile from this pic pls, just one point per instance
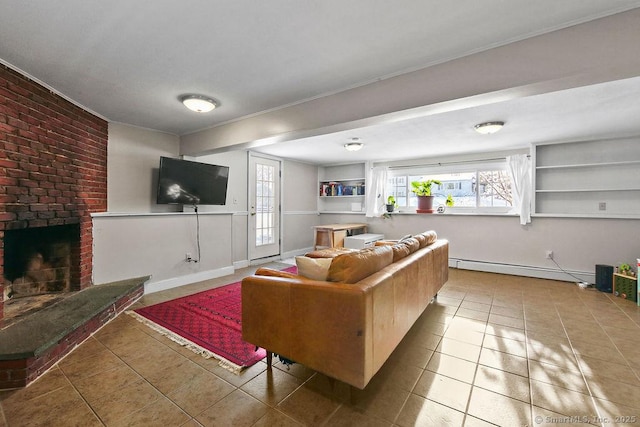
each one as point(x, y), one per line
point(274, 418)
point(201, 393)
point(272, 386)
point(502, 382)
point(561, 400)
point(615, 391)
point(459, 349)
point(47, 383)
point(422, 339)
point(61, 407)
point(463, 324)
point(558, 376)
point(305, 405)
point(465, 335)
point(604, 351)
point(479, 297)
point(498, 409)
point(161, 412)
point(419, 411)
point(504, 361)
point(505, 345)
point(506, 332)
point(612, 413)
point(399, 375)
point(476, 306)
point(558, 354)
point(411, 354)
point(499, 319)
point(101, 361)
point(481, 316)
point(516, 312)
point(236, 409)
point(379, 400)
point(94, 387)
point(617, 370)
point(444, 390)
point(470, 421)
point(347, 416)
point(125, 401)
point(452, 367)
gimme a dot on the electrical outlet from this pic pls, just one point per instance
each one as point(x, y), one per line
point(187, 257)
point(549, 255)
point(602, 206)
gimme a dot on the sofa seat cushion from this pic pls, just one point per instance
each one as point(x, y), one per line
point(355, 266)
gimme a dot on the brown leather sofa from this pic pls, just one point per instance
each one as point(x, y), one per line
point(346, 326)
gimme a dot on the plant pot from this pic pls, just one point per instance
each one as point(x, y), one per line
point(390, 208)
point(425, 204)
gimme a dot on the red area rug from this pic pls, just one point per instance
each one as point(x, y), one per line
point(209, 323)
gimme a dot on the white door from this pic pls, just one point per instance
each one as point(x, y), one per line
point(264, 207)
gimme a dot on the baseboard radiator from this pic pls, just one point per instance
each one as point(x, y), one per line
point(523, 270)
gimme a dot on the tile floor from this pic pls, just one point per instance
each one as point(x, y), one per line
point(492, 349)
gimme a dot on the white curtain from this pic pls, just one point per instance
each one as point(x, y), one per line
point(376, 183)
point(519, 167)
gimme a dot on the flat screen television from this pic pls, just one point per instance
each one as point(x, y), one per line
point(191, 183)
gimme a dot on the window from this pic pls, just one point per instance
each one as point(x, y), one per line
point(485, 187)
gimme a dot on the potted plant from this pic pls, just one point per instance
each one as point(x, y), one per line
point(391, 203)
point(449, 201)
point(422, 189)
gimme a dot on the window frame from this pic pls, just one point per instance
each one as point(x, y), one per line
point(431, 170)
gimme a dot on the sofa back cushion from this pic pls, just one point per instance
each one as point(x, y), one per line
point(411, 243)
point(355, 266)
point(400, 250)
point(431, 236)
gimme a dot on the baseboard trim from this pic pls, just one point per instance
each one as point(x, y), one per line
point(522, 270)
point(176, 282)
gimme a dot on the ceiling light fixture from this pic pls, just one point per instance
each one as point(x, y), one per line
point(488, 127)
point(199, 103)
point(354, 145)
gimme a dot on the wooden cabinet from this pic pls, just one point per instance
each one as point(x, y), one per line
point(625, 286)
point(599, 178)
point(341, 188)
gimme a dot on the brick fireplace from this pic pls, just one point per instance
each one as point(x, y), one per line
point(53, 175)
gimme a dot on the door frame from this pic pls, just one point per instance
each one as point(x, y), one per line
point(250, 218)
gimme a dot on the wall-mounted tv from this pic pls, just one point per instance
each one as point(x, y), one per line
point(191, 183)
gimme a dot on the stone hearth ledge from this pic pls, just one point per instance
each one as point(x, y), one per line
point(54, 331)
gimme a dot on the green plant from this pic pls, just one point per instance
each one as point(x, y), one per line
point(391, 201)
point(423, 188)
point(449, 202)
point(624, 268)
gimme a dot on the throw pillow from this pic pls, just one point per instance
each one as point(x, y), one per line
point(313, 268)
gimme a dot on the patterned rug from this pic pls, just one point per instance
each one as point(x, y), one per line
point(209, 323)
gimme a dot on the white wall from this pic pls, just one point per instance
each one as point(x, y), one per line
point(578, 244)
point(137, 237)
point(299, 206)
point(133, 157)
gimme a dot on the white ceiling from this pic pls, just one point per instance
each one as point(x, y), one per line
point(129, 62)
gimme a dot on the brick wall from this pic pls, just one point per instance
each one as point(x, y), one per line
point(53, 164)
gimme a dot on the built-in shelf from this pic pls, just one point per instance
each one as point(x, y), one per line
point(341, 188)
point(598, 178)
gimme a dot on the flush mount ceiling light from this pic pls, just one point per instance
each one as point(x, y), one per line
point(199, 103)
point(488, 127)
point(354, 145)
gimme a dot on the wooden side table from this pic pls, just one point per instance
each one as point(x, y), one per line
point(332, 235)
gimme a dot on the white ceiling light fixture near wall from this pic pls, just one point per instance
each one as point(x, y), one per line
point(199, 103)
point(488, 128)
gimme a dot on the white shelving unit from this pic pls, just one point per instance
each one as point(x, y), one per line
point(349, 180)
point(599, 178)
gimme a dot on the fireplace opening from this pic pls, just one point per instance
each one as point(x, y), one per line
point(41, 260)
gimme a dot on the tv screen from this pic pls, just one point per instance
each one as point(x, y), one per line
point(191, 183)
